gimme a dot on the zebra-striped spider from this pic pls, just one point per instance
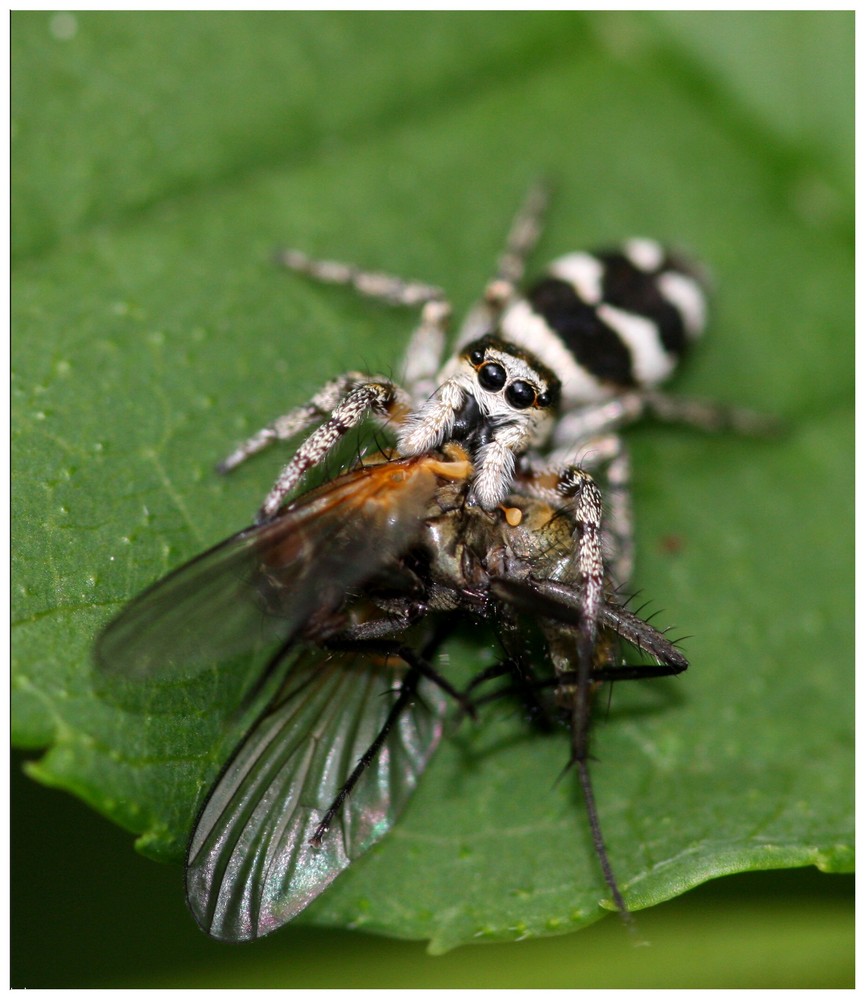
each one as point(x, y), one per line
point(537, 384)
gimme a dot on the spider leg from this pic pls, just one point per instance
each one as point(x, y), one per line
point(584, 505)
point(544, 477)
point(522, 237)
point(582, 423)
point(424, 353)
point(608, 459)
point(710, 417)
point(588, 437)
point(388, 288)
point(574, 492)
point(619, 521)
point(299, 418)
point(423, 358)
point(380, 397)
point(585, 423)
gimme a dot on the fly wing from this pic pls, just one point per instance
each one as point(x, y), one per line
point(251, 866)
point(262, 585)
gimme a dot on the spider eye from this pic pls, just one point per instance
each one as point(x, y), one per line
point(520, 394)
point(476, 356)
point(545, 399)
point(491, 376)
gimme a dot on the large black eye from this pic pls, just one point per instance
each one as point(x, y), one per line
point(491, 376)
point(520, 394)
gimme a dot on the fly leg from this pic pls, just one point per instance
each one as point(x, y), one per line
point(407, 691)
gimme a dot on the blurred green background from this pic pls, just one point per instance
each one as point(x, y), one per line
point(87, 911)
point(182, 147)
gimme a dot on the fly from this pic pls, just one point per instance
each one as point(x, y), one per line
point(356, 583)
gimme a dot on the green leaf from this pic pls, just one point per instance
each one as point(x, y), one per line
point(158, 159)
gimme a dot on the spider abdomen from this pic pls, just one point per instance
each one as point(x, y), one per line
point(610, 321)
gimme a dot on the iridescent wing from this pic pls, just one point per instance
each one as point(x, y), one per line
point(263, 585)
point(251, 866)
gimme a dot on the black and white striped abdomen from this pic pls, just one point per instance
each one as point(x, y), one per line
point(611, 320)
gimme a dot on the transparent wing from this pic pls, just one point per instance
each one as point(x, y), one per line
point(251, 866)
point(264, 584)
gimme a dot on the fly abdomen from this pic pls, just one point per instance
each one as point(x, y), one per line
point(610, 321)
